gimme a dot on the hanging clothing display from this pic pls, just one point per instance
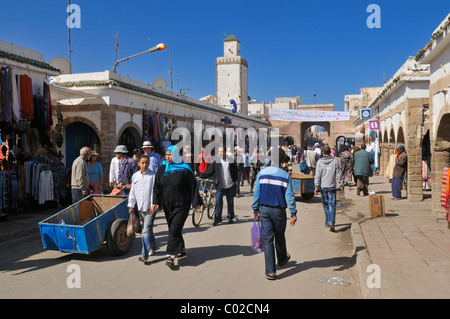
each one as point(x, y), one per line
point(26, 97)
point(27, 179)
point(15, 95)
point(45, 187)
point(4, 207)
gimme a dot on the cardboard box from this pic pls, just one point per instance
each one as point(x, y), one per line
point(376, 205)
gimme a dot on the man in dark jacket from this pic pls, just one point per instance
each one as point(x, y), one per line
point(401, 161)
point(363, 170)
point(226, 173)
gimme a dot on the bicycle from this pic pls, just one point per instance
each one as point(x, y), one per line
point(208, 195)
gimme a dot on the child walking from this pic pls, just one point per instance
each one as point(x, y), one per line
point(141, 196)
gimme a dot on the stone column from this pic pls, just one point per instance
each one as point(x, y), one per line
point(413, 144)
point(384, 158)
point(108, 141)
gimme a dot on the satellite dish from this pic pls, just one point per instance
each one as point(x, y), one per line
point(160, 83)
point(62, 64)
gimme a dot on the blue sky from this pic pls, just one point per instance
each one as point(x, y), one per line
point(293, 48)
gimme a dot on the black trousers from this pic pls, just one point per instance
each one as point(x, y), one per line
point(175, 220)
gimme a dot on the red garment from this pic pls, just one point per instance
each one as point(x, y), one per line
point(26, 97)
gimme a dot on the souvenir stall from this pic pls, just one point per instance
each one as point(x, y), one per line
point(30, 171)
point(157, 129)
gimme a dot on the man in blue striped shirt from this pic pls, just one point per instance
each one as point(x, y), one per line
point(272, 195)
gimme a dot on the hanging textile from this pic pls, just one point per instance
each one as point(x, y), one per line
point(145, 134)
point(2, 94)
point(6, 90)
point(160, 127)
point(45, 187)
point(16, 101)
point(4, 194)
point(26, 97)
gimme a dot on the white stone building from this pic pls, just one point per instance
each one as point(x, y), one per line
point(232, 76)
point(401, 110)
point(436, 54)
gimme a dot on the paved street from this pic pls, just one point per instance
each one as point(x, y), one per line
point(220, 263)
point(410, 246)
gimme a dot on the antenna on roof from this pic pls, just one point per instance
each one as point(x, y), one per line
point(117, 44)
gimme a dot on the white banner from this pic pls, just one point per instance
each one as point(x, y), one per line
point(308, 116)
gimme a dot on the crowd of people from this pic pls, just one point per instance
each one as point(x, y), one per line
point(171, 186)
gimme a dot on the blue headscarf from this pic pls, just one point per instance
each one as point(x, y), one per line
point(177, 163)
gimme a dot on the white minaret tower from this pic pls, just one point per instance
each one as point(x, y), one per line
point(232, 76)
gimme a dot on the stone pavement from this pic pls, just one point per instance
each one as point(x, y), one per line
point(410, 246)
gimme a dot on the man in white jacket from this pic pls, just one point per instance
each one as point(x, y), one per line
point(327, 171)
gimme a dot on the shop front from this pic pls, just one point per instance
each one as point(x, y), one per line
point(31, 173)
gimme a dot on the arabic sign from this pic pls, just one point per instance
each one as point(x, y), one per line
point(374, 125)
point(308, 116)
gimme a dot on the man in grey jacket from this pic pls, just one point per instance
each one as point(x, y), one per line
point(327, 171)
point(80, 176)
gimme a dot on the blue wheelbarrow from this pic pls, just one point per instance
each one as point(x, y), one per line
point(86, 225)
point(303, 185)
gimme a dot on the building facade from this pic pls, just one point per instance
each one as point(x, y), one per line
point(104, 109)
point(413, 108)
point(436, 54)
point(399, 110)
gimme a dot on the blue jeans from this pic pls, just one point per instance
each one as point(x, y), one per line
point(77, 195)
point(329, 204)
point(273, 224)
point(396, 186)
point(229, 193)
point(148, 238)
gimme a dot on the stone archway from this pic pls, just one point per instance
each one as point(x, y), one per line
point(392, 137)
point(385, 139)
point(289, 140)
point(77, 135)
point(440, 159)
point(306, 125)
point(131, 138)
point(400, 136)
point(340, 143)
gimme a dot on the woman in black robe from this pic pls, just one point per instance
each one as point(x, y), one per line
point(175, 190)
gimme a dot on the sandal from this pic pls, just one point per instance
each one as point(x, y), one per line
point(285, 261)
point(270, 277)
point(170, 263)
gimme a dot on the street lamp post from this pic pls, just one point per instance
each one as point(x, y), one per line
point(159, 47)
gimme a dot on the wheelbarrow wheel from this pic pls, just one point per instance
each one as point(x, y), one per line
point(307, 196)
point(117, 240)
